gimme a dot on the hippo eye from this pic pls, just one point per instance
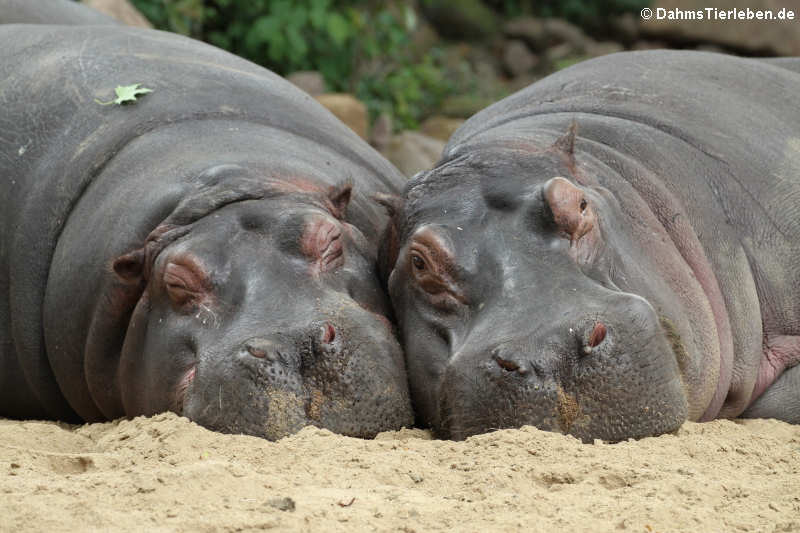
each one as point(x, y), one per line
point(583, 205)
point(418, 262)
point(322, 243)
point(182, 283)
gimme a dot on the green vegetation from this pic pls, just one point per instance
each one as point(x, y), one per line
point(371, 48)
point(362, 47)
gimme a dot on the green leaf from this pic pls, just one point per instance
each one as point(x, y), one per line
point(265, 29)
point(297, 45)
point(318, 12)
point(338, 28)
point(126, 93)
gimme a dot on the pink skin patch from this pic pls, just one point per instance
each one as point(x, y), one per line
point(575, 216)
point(430, 262)
point(780, 352)
point(598, 335)
point(322, 243)
point(328, 333)
point(188, 286)
point(180, 389)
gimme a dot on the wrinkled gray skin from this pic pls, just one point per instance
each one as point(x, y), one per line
point(50, 12)
point(617, 282)
point(208, 250)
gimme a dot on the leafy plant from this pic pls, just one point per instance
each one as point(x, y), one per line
point(126, 94)
point(389, 79)
point(179, 16)
point(359, 46)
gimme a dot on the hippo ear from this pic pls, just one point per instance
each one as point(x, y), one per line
point(569, 207)
point(566, 143)
point(390, 243)
point(339, 196)
point(130, 267)
point(392, 203)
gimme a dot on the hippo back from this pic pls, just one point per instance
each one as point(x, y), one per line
point(50, 12)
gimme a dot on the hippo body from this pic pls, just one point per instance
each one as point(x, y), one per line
point(208, 249)
point(51, 12)
point(609, 252)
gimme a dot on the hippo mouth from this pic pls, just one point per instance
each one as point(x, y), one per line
point(597, 388)
point(675, 342)
point(182, 387)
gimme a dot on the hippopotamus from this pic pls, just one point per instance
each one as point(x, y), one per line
point(208, 249)
point(608, 253)
point(51, 12)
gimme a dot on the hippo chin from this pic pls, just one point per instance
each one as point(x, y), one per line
point(208, 250)
point(608, 253)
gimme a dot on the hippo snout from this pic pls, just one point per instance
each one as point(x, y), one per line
point(559, 375)
point(279, 348)
point(261, 348)
point(512, 362)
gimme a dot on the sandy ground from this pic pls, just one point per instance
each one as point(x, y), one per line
point(168, 474)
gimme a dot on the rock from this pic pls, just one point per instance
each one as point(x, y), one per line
point(560, 51)
point(461, 19)
point(122, 10)
point(596, 49)
point(649, 45)
point(381, 132)
point(625, 28)
point(282, 504)
point(440, 127)
point(771, 37)
point(543, 33)
point(412, 152)
point(517, 59)
point(529, 29)
point(561, 31)
point(422, 40)
point(348, 109)
point(310, 81)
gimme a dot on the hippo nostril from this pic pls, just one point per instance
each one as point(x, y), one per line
point(328, 333)
point(260, 348)
point(256, 352)
point(598, 334)
point(505, 364)
point(595, 338)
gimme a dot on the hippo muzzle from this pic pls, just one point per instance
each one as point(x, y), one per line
point(559, 370)
point(318, 375)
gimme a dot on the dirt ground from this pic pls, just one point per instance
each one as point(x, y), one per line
point(167, 474)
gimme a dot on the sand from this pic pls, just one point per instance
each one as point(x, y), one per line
point(165, 473)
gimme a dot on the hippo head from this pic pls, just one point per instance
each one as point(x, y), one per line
point(258, 311)
point(523, 299)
